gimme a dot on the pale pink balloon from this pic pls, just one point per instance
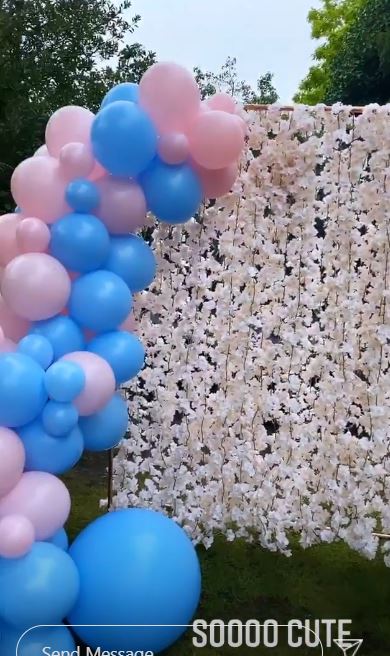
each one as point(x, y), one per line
point(35, 286)
point(122, 205)
point(32, 236)
point(99, 381)
point(12, 458)
point(129, 325)
point(76, 160)
point(223, 102)
point(170, 95)
point(40, 497)
point(7, 345)
point(217, 182)
point(8, 244)
point(216, 140)
point(17, 536)
point(173, 147)
point(14, 327)
point(38, 187)
point(42, 151)
point(68, 125)
point(97, 173)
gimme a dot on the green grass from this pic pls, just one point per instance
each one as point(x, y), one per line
point(242, 581)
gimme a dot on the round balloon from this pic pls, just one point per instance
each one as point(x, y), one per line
point(136, 567)
point(124, 139)
point(32, 236)
point(38, 187)
point(122, 350)
point(76, 160)
point(133, 260)
point(59, 418)
point(63, 334)
point(9, 247)
point(38, 348)
point(22, 389)
point(64, 381)
point(60, 539)
point(14, 327)
point(16, 536)
point(12, 459)
point(80, 242)
point(125, 91)
point(33, 642)
point(82, 195)
point(106, 428)
point(68, 125)
point(122, 205)
point(173, 193)
point(216, 139)
point(47, 453)
point(99, 381)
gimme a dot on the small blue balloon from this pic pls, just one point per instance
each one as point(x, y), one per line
point(38, 348)
point(60, 540)
point(63, 333)
point(44, 452)
point(82, 195)
point(59, 418)
point(58, 638)
point(173, 193)
point(39, 588)
point(22, 389)
point(64, 380)
point(106, 428)
point(123, 351)
point(136, 564)
point(124, 139)
point(80, 242)
point(125, 91)
point(17, 210)
point(100, 301)
point(133, 260)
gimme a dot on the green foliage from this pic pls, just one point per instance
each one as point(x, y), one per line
point(54, 53)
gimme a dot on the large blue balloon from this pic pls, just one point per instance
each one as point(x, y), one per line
point(173, 193)
point(22, 390)
point(124, 139)
point(44, 452)
point(125, 91)
point(106, 428)
point(38, 348)
point(32, 643)
point(63, 333)
point(80, 242)
point(136, 567)
point(82, 195)
point(100, 301)
point(39, 588)
point(123, 351)
point(59, 418)
point(60, 540)
point(64, 381)
point(133, 260)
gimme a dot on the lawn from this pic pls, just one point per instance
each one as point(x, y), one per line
point(242, 581)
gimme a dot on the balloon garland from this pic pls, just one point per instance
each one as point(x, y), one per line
point(71, 265)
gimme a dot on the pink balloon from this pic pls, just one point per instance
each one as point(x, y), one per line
point(129, 324)
point(98, 172)
point(7, 345)
point(223, 102)
point(76, 160)
point(14, 327)
point(217, 182)
point(17, 536)
point(68, 125)
point(216, 140)
point(40, 497)
point(170, 95)
point(36, 286)
point(38, 188)
point(122, 205)
point(242, 124)
point(12, 457)
point(173, 148)
point(42, 151)
point(8, 244)
point(32, 236)
point(99, 381)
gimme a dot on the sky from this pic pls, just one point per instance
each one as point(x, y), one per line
point(264, 35)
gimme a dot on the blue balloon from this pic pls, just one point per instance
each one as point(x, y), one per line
point(39, 588)
point(124, 139)
point(82, 195)
point(173, 193)
point(106, 428)
point(32, 643)
point(22, 389)
point(59, 418)
point(136, 567)
point(123, 351)
point(125, 91)
point(60, 540)
point(64, 380)
point(133, 260)
point(63, 333)
point(17, 210)
point(44, 452)
point(100, 301)
point(80, 242)
point(38, 348)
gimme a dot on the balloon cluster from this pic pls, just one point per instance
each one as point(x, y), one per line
point(71, 264)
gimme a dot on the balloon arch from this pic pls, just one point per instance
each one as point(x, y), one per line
point(71, 263)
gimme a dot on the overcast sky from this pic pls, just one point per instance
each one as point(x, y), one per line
point(262, 34)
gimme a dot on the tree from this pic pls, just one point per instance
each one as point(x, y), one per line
point(54, 53)
point(228, 80)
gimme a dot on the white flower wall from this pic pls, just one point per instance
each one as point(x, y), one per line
point(264, 409)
